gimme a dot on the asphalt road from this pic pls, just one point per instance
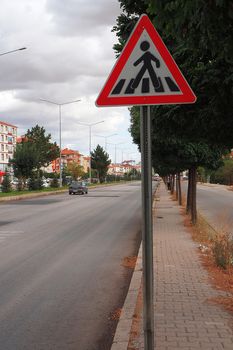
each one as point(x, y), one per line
point(215, 202)
point(61, 273)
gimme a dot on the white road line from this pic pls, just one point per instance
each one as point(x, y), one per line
point(9, 234)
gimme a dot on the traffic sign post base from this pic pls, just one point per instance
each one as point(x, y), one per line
point(147, 229)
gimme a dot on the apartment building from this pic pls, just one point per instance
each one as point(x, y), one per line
point(8, 136)
point(70, 156)
point(123, 168)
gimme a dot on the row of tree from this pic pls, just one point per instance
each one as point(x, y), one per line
point(189, 136)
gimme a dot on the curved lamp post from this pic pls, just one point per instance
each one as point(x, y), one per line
point(90, 126)
point(59, 107)
point(105, 138)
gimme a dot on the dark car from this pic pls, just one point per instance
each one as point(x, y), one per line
point(78, 187)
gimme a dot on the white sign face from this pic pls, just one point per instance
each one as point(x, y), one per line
point(145, 73)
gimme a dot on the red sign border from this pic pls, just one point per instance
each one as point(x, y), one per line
point(187, 94)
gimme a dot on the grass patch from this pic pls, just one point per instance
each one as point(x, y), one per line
point(21, 193)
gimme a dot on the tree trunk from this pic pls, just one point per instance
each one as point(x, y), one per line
point(179, 190)
point(189, 193)
point(169, 183)
point(194, 196)
point(177, 187)
point(172, 183)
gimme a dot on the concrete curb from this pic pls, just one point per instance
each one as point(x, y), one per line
point(121, 338)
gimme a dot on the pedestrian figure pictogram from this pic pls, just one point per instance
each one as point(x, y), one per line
point(147, 59)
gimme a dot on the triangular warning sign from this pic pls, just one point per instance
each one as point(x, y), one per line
point(145, 73)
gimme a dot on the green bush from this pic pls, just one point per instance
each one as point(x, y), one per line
point(6, 184)
point(35, 183)
point(55, 183)
point(20, 185)
point(39, 183)
point(32, 183)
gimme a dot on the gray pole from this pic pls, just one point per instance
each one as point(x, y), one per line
point(6, 53)
point(59, 106)
point(60, 145)
point(90, 126)
point(90, 152)
point(147, 229)
point(115, 163)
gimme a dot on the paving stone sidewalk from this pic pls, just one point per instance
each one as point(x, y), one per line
point(184, 316)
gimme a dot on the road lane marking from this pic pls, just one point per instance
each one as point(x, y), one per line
point(9, 234)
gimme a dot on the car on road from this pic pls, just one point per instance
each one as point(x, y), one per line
point(78, 187)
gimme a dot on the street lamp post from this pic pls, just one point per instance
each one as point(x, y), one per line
point(129, 154)
point(90, 126)
point(6, 53)
point(60, 145)
point(105, 138)
point(115, 145)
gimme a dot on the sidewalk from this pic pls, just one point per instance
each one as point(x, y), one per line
point(184, 318)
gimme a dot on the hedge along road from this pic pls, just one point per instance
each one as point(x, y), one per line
point(61, 273)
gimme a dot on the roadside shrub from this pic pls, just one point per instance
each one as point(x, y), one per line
point(54, 183)
point(39, 183)
point(222, 250)
point(35, 183)
point(32, 183)
point(20, 185)
point(6, 184)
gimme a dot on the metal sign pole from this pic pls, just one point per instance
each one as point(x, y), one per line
point(147, 229)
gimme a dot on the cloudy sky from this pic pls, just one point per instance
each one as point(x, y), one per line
point(69, 56)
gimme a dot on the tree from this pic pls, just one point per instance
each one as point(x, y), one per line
point(25, 161)
point(55, 182)
point(35, 183)
point(100, 162)
point(6, 183)
point(75, 170)
point(47, 151)
point(224, 174)
point(196, 134)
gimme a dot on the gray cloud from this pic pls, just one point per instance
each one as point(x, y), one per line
point(82, 17)
point(69, 55)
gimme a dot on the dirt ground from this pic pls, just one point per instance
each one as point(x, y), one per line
point(221, 279)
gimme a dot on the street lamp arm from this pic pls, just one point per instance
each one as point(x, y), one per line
point(54, 103)
point(82, 123)
point(67, 103)
point(106, 136)
point(58, 104)
point(6, 53)
point(90, 124)
point(102, 121)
